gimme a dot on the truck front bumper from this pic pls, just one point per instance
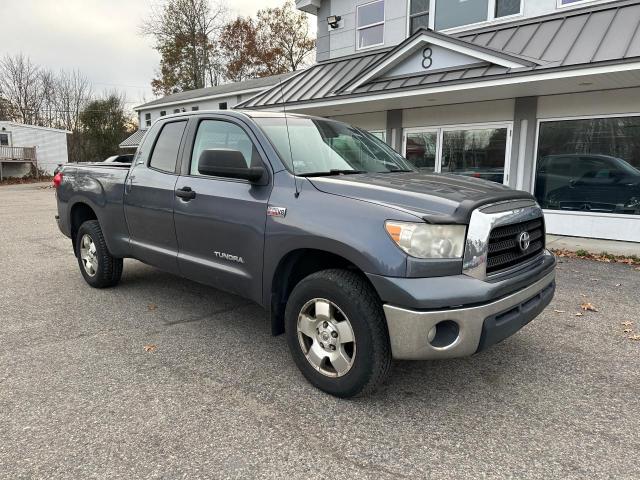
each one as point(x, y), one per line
point(460, 332)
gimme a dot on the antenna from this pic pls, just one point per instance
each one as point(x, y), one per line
point(286, 122)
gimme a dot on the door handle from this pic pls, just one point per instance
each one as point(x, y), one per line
point(185, 193)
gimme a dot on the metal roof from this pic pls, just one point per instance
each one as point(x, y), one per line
point(133, 140)
point(219, 90)
point(602, 33)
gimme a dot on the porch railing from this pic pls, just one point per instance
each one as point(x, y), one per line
point(17, 154)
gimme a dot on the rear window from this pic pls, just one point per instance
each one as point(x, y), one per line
point(165, 152)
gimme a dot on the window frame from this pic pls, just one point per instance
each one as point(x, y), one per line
point(190, 144)
point(577, 3)
point(410, 16)
point(176, 168)
point(441, 129)
point(491, 17)
point(364, 27)
point(532, 185)
point(147, 119)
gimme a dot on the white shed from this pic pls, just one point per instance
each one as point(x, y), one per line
point(24, 145)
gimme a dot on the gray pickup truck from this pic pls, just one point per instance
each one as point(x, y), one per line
point(356, 255)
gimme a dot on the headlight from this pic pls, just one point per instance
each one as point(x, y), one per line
point(428, 241)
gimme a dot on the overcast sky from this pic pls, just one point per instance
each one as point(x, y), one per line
point(98, 37)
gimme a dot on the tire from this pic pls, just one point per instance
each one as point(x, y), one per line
point(99, 268)
point(310, 337)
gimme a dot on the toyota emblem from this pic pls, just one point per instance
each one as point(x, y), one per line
point(524, 240)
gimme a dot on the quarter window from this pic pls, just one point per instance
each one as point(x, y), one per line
point(217, 134)
point(165, 152)
point(370, 24)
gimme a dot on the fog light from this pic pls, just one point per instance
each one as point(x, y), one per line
point(432, 334)
point(446, 334)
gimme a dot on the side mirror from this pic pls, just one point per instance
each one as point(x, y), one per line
point(228, 163)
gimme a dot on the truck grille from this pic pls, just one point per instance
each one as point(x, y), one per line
point(504, 245)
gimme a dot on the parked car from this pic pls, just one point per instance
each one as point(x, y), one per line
point(124, 158)
point(597, 183)
point(356, 256)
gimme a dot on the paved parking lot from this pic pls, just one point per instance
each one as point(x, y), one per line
point(219, 397)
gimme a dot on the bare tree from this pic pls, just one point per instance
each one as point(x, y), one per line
point(22, 85)
point(73, 93)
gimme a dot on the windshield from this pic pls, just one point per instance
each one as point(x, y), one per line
point(326, 147)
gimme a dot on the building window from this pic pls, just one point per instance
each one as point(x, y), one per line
point(195, 109)
point(370, 24)
point(163, 113)
point(567, 3)
point(418, 15)
point(177, 110)
point(222, 106)
point(147, 119)
point(506, 8)
point(457, 13)
point(590, 165)
point(4, 139)
point(479, 151)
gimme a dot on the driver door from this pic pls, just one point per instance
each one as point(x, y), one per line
point(220, 229)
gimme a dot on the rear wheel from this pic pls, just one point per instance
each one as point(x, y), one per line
point(98, 267)
point(337, 333)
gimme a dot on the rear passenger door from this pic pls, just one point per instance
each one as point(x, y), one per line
point(149, 197)
point(221, 227)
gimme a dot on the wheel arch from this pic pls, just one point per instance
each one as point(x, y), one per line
point(79, 213)
point(292, 268)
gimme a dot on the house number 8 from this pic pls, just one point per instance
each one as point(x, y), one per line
point(427, 59)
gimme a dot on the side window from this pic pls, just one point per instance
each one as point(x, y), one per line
point(221, 135)
point(165, 152)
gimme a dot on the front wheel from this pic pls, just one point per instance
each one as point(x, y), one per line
point(337, 334)
point(98, 267)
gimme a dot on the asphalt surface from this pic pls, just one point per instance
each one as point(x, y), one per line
point(220, 398)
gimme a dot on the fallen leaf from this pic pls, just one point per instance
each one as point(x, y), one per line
point(588, 307)
point(150, 348)
point(635, 337)
point(627, 330)
point(560, 311)
point(626, 324)
point(579, 314)
point(152, 306)
point(582, 295)
point(618, 284)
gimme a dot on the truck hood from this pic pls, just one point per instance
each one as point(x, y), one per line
point(437, 198)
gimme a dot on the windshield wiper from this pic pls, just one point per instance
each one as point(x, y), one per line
point(399, 170)
point(332, 173)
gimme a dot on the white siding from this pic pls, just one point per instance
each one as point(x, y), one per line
point(209, 104)
point(464, 113)
point(376, 121)
point(51, 146)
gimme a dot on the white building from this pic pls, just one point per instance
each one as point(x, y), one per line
point(22, 146)
point(541, 95)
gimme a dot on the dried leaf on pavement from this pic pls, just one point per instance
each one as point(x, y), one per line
point(627, 330)
point(635, 337)
point(151, 307)
point(560, 311)
point(627, 323)
point(588, 307)
point(579, 314)
point(150, 348)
